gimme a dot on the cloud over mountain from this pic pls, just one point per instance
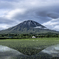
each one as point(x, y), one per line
point(16, 11)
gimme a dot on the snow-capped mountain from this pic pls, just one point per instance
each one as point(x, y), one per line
point(28, 26)
point(30, 23)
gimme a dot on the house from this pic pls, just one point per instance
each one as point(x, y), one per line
point(33, 37)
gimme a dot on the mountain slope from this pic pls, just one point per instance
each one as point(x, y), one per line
point(26, 27)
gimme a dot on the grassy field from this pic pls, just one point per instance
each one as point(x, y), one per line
point(32, 45)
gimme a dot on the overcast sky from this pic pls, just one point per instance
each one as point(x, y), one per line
point(13, 12)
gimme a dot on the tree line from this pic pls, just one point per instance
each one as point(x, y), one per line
point(24, 36)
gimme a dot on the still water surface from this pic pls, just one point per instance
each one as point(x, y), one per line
point(51, 52)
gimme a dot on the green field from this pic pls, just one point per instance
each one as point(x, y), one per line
point(29, 45)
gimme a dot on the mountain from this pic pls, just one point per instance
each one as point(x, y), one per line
point(26, 27)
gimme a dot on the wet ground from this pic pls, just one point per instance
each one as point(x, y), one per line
point(51, 52)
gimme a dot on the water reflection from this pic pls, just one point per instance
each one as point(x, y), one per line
point(51, 52)
point(9, 53)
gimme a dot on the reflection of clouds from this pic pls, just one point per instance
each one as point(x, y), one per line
point(52, 50)
point(9, 53)
point(48, 53)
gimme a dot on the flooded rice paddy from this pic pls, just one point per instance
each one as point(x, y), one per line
point(51, 52)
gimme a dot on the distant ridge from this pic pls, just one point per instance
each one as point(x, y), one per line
point(27, 27)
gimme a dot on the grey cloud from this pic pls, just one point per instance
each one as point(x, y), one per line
point(39, 12)
point(49, 11)
point(41, 15)
point(53, 15)
point(7, 21)
point(6, 5)
point(9, 4)
point(10, 0)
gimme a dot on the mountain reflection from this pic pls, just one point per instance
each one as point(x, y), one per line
point(51, 52)
point(9, 53)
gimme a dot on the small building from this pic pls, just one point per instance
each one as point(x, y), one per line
point(33, 37)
